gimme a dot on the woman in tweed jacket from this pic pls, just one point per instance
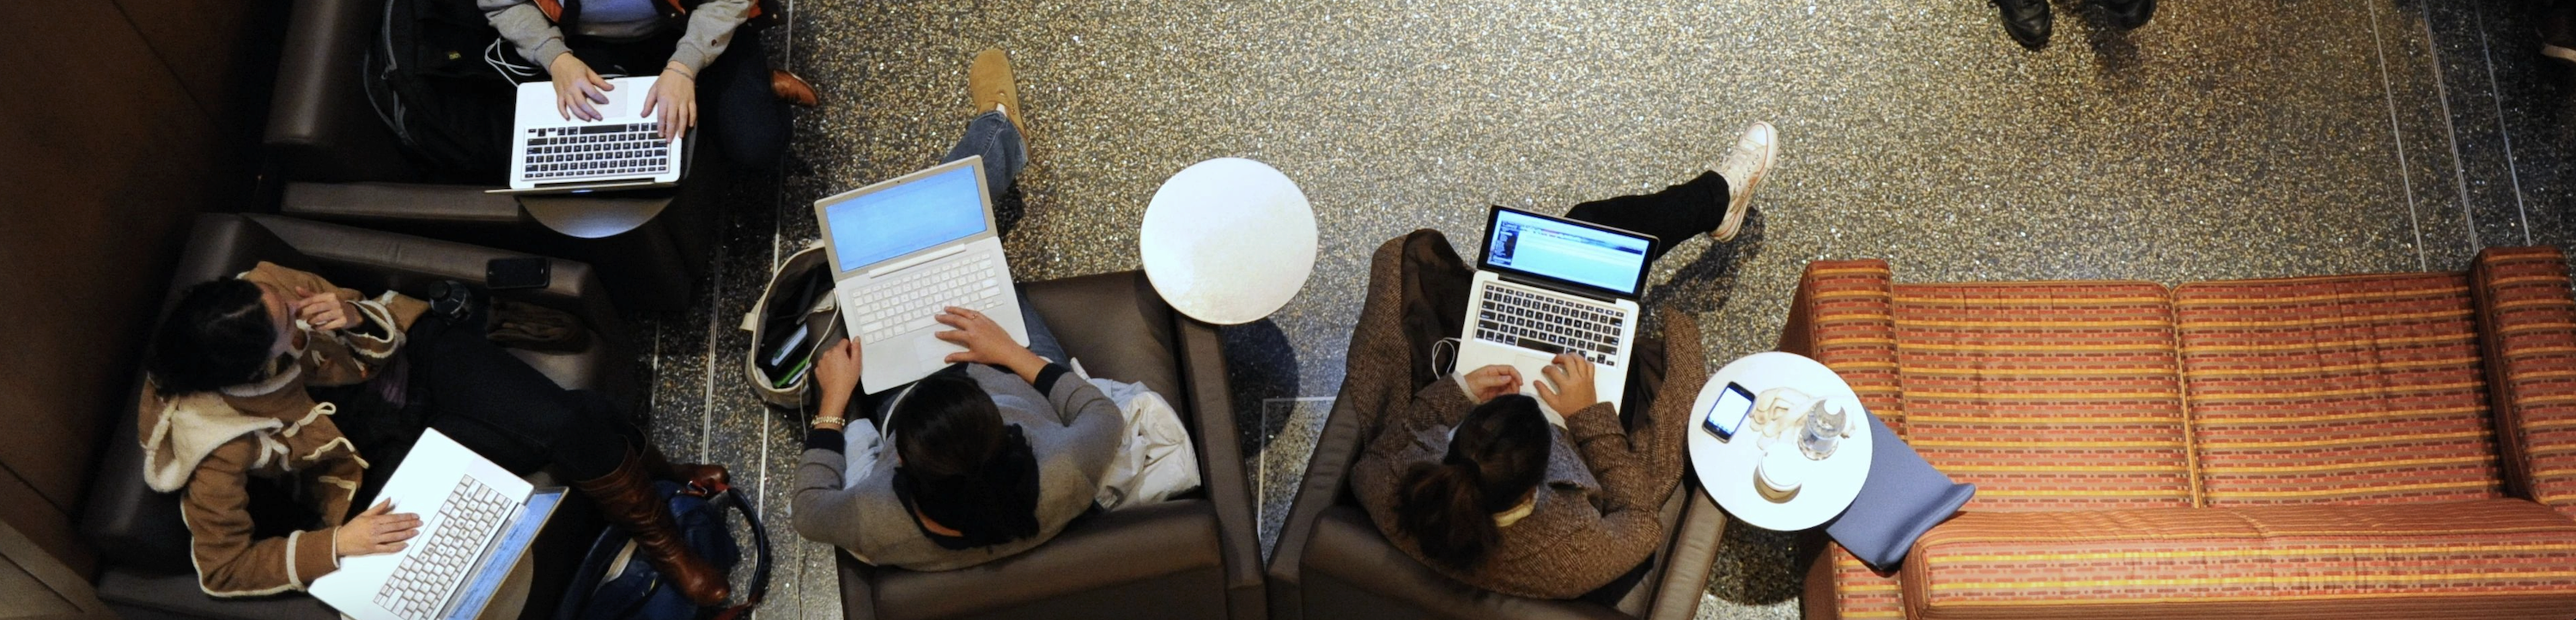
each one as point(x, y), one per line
point(1467, 476)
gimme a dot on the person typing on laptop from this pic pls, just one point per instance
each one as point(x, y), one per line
point(691, 45)
point(277, 377)
point(1471, 478)
point(982, 460)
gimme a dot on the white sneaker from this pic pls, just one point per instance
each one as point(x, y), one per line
point(1745, 166)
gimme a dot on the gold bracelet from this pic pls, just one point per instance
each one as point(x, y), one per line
point(830, 419)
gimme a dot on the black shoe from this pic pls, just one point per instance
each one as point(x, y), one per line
point(459, 303)
point(2027, 21)
point(2129, 14)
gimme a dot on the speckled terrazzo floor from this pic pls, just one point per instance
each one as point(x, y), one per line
point(2226, 139)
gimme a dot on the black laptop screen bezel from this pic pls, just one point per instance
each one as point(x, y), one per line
point(1484, 255)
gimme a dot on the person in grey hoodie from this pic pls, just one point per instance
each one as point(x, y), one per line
point(684, 42)
point(978, 462)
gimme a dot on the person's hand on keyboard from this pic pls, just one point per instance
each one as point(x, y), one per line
point(1568, 388)
point(1492, 381)
point(836, 373)
point(578, 90)
point(673, 100)
point(378, 530)
point(987, 343)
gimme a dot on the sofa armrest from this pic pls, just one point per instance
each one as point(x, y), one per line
point(2528, 320)
point(319, 121)
point(399, 204)
point(858, 590)
point(1844, 316)
point(1203, 369)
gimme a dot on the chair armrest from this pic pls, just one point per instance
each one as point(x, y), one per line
point(1844, 317)
point(319, 120)
point(1203, 369)
point(373, 260)
point(858, 590)
point(1328, 470)
point(2528, 317)
point(405, 204)
point(1694, 552)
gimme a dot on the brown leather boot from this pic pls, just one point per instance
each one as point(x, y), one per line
point(626, 497)
point(706, 476)
point(792, 89)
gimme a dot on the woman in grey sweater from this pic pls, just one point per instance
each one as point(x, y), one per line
point(978, 462)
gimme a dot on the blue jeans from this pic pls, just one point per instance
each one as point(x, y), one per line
point(993, 136)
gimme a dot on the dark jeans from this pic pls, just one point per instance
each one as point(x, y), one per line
point(476, 393)
point(737, 112)
point(1694, 207)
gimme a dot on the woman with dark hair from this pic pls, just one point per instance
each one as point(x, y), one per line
point(277, 377)
point(988, 458)
point(1468, 475)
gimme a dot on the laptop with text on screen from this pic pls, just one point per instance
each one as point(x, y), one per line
point(476, 520)
point(1548, 285)
point(902, 250)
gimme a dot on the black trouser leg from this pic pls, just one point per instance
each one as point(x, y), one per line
point(737, 109)
point(1672, 216)
point(507, 411)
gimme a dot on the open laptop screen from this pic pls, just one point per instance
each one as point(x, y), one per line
point(1566, 251)
point(915, 216)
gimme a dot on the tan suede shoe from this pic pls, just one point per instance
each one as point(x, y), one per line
point(989, 82)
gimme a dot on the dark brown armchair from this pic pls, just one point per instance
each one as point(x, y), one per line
point(1195, 557)
point(1332, 562)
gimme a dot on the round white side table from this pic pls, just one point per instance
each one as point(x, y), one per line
point(1727, 468)
point(1228, 241)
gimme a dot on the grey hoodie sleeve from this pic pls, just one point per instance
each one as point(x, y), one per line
point(711, 28)
point(1095, 427)
point(526, 28)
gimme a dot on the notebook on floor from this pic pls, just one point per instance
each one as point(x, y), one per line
point(476, 520)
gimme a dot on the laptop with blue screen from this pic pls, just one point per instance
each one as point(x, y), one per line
point(904, 249)
point(1549, 285)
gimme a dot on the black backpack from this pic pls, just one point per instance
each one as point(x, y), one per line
point(443, 80)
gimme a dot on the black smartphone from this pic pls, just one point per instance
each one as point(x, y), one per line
point(503, 274)
point(1727, 415)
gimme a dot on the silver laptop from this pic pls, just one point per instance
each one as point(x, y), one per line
point(476, 520)
point(904, 249)
point(1548, 285)
point(622, 150)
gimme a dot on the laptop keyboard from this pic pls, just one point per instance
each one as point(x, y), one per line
point(420, 585)
point(907, 301)
point(628, 149)
point(1520, 318)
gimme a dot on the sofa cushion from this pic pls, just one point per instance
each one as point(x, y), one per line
point(2047, 396)
point(2346, 389)
point(2487, 558)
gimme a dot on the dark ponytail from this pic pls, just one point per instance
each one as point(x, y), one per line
point(219, 335)
point(1497, 456)
point(962, 466)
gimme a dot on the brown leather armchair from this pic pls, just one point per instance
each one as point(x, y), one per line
point(1332, 562)
point(144, 547)
point(1195, 557)
point(339, 163)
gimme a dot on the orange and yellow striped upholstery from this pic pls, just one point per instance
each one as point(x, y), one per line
point(1847, 306)
point(2047, 396)
point(2526, 311)
point(2348, 389)
point(2483, 559)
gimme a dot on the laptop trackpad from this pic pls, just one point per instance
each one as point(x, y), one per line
point(1530, 366)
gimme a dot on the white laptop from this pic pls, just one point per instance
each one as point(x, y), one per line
point(1547, 285)
point(476, 520)
point(622, 150)
point(904, 249)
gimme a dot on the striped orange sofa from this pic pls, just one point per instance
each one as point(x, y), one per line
point(2371, 446)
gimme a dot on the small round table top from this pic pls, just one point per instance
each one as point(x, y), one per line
point(1228, 240)
point(1727, 468)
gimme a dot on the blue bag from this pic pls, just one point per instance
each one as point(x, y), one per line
point(638, 592)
